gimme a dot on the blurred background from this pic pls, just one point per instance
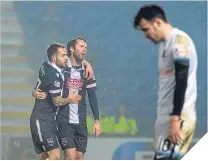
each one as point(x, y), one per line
point(125, 67)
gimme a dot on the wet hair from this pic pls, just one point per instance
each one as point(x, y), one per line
point(52, 49)
point(149, 12)
point(72, 43)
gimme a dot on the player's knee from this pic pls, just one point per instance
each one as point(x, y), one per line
point(54, 155)
point(44, 156)
point(79, 156)
point(70, 157)
point(70, 154)
point(57, 156)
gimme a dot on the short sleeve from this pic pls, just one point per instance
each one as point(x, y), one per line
point(181, 50)
point(92, 83)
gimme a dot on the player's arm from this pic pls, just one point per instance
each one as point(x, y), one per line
point(93, 103)
point(181, 61)
point(57, 100)
point(60, 101)
point(91, 88)
point(89, 69)
point(37, 92)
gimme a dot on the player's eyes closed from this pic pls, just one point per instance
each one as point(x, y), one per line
point(144, 29)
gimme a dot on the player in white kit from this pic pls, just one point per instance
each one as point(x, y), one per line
point(177, 92)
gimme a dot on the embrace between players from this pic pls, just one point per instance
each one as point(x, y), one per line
point(60, 105)
point(64, 80)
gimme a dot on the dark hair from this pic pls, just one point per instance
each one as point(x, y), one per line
point(149, 12)
point(72, 43)
point(52, 49)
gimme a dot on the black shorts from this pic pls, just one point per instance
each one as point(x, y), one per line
point(44, 134)
point(73, 136)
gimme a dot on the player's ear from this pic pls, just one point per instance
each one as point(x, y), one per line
point(53, 58)
point(71, 49)
point(157, 22)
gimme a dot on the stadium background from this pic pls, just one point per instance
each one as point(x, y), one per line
point(125, 66)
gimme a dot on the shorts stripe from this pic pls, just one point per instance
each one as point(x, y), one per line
point(44, 148)
point(39, 131)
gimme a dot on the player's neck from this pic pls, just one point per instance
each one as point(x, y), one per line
point(167, 30)
point(75, 62)
point(56, 65)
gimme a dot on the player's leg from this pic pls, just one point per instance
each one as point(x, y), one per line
point(164, 149)
point(50, 140)
point(186, 145)
point(81, 138)
point(54, 154)
point(43, 156)
point(187, 132)
point(66, 134)
point(44, 138)
point(79, 155)
point(70, 154)
point(37, 137)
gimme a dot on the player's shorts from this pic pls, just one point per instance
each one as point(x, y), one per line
point(44, 134)
point(72, 136)
point(164, 149)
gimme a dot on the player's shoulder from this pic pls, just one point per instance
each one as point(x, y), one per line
point(46, 70)
point(180, 37)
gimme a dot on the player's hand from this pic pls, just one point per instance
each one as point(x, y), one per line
point(73, 98)
point(175, 132)
point(39, 94)
point(96, 128)
point(89, 72)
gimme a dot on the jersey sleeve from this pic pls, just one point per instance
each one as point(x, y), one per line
point(49, 81)
point(181, 61)
point(181, 50)
point(54, 84)
point(91, 84)
point(41, 84)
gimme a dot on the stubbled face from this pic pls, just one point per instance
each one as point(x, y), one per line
point(60, 58)
point(80, 50)
point(151, 30)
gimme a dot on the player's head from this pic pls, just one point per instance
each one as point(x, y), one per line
point(151, 19)
point(77, 48)
point(57, 54)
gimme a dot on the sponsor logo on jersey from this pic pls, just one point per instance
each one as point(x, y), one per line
point(74, 83)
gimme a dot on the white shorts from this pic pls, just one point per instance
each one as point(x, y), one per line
point(163, 147)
